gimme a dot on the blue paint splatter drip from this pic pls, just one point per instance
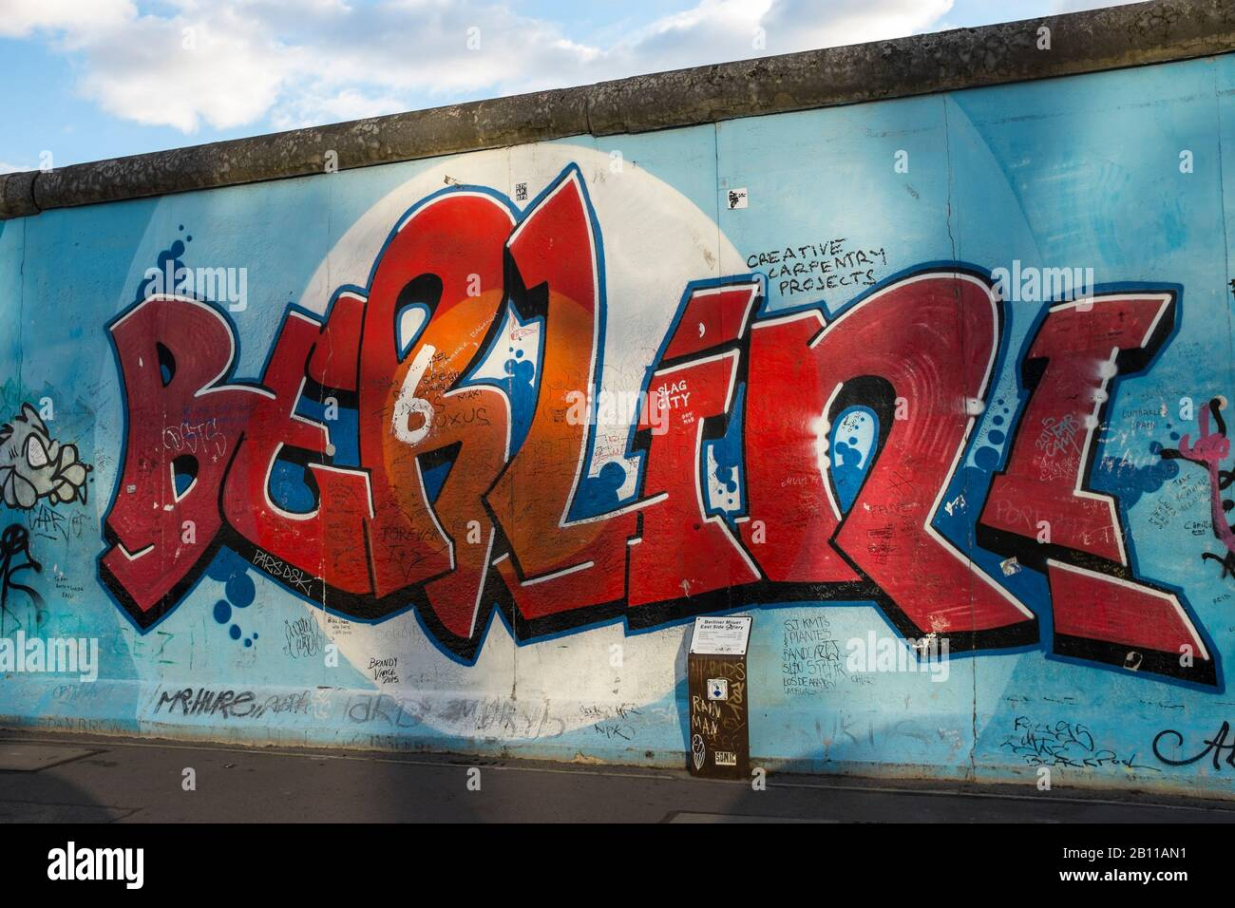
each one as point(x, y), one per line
point(727, 452)
point(599, 495)
point(986, 456)
point(228, 569)
point(521, 389)
point(1128, 481)
point(851, 455)
point(178, 271)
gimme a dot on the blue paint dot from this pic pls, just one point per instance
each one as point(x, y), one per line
point(1174, 436)
point(997, 420)
point(240, 590)
point(222, 611)
point(518, 354)
point(521, 372)
point(248, 643)
point(234, 631)
point(986, 457)
point(996, 437)
point(255, 635)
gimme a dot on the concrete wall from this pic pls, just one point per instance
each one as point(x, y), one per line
point(446, 453)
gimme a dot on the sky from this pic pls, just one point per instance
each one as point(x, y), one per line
point(93, 79)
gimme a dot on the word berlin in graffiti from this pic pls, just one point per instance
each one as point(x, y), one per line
point(502, 527)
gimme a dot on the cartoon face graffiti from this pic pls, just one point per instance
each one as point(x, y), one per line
point(34, 466)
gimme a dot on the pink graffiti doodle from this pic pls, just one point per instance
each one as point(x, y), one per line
point(1209, 450)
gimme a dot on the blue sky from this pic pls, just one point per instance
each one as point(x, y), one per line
point(93, 79)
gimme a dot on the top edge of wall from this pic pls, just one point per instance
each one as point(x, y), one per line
point(1093, 41)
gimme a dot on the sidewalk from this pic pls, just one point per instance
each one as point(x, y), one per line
point(46, 778)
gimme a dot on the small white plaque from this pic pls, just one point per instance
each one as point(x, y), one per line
point(720, 636)
point(736, 198)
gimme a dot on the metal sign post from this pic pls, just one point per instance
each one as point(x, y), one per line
point(716, 684)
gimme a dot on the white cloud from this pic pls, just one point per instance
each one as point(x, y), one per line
point(720, 30)
point(317, 61)
point(5, 167)
point(21, 18)
point(1072, 6)
point(347, 104)
point(161, 72)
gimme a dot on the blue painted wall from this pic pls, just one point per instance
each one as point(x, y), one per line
point(1126, 173)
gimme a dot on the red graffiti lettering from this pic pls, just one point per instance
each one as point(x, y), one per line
point(467, 485)
point(1042, 509)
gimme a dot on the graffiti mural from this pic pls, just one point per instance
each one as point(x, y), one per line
point(465, 484)
point(447, 454)
point(15, 557)
point(34, 466)
point(1209, 451)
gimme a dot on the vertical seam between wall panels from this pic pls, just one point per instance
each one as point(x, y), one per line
point(1226, 288)
point(720, 271)
point(21, 305)
point(947, 151)
point(504, 312)
point(716, 193)
point(330, 349)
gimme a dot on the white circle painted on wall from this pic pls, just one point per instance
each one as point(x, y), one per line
point(656, 242)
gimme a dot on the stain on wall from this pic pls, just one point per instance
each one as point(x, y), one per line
point(447, 454)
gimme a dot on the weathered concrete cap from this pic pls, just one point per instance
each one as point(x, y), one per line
point(1134, 35)
point(1103, 39)
point(302, 152)
point(17, 195)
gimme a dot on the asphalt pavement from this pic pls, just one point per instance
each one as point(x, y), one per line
point(105, 779)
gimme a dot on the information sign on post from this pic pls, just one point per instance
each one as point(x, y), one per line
point(716, 683)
